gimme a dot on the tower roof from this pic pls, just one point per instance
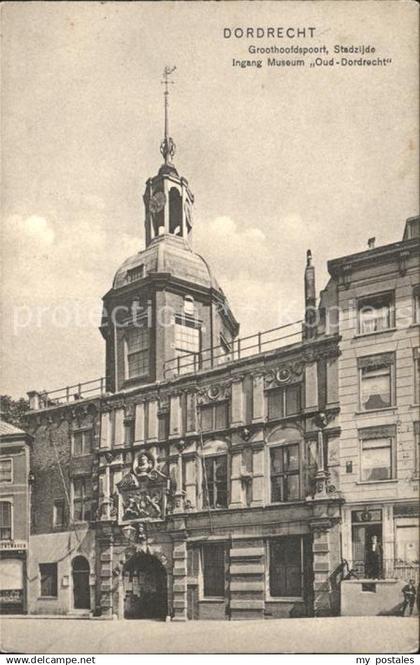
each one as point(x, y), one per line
point(168, 254)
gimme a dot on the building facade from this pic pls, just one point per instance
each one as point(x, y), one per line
point(212, 477)
point(378, 295)
point(15, 449)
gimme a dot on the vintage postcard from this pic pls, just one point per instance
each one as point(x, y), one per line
point(210, 429)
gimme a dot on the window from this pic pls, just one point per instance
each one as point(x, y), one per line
point(225, 350)
point(48, 575)
point(376, 382)
point(5, 520)
point(6, 470)
point(214, 570)
point(59, 513)
point(82, 495)
point(137, 351)
point(189, 305)
point(377, 453)
point(135, 273)
point(416, 304)
point(407, 544)
point(286, 567)
point(214, 416)
point(417, 448)
point(284, 471)
point(82, 442)
point(416, 356)
point(284, 402)
point(187, 341)
point(128, 432)
point(215, 481)
point(163, 426)
point(376, 313)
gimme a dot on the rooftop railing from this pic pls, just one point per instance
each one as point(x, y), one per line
point(245, 347)
point(71, 393)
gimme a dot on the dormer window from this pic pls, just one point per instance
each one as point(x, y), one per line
point(135, 273)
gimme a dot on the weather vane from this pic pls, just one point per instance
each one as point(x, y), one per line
point(167, 147)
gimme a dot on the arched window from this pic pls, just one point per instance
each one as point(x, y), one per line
point(5, 520)
point(175, 212)
point(189, 307)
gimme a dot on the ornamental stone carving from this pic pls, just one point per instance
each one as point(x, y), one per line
point(285, 373)
point(214, 393)
point(313, 353)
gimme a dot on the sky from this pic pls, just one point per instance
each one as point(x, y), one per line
point(280, 159)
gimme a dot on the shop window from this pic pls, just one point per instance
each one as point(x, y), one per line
point(214, 416)
point(377, 381)
point(82, 442)
point(375, 313)
point(407, 545)
point(286, 567)
point(6, 470)
point(284, 402)
point(213, 570)
point(284, 472)
point(5, 520)
point(48, 575)
point(82, 499)
point(215, 485)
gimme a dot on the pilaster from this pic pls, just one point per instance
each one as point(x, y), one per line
point(247, 579)
point(179, 596)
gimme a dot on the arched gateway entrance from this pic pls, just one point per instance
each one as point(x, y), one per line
point(145, 588)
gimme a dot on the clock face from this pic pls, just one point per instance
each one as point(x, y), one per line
point(157, 202)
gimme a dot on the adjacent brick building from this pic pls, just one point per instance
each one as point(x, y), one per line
point(15, 447)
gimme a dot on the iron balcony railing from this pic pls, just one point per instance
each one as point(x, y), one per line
point(72, 393)
point(386, 569)
point(245, 347)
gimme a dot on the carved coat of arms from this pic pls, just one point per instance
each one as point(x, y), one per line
point(143, 491)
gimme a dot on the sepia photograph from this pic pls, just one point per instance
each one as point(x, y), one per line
point(210, 349)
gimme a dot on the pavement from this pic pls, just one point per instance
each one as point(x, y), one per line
point(30, 635)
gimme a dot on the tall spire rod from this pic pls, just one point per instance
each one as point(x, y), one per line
point(167, 147)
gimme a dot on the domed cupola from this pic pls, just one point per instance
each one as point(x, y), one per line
point(165, 302)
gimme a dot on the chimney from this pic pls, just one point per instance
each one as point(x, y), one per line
point(310, 298)
point(371, 243)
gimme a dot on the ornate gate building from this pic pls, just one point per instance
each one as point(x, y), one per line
point(200, 479)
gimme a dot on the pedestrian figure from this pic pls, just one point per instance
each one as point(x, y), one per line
point(374, 559)
point(409, 592)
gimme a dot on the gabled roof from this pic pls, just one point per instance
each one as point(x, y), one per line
point(6, 428)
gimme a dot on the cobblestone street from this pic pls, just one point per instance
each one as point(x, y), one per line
point(326, 635)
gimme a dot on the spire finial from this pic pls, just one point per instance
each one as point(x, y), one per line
point(167, 147)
